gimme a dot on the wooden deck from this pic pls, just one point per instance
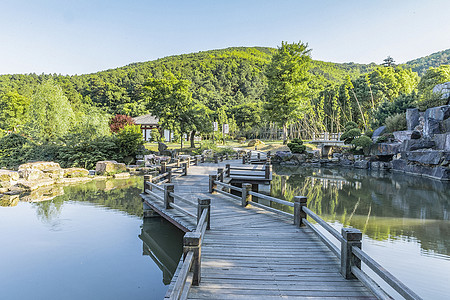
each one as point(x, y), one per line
point(251, 253)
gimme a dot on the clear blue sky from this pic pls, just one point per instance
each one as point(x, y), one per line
point(86, 36)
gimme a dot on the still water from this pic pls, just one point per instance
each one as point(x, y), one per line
point(404, 219)
point(85, 242)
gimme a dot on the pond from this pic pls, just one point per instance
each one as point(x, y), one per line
point(404, 218)
point(85, 242)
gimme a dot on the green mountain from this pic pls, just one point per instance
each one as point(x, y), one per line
point(421, 65)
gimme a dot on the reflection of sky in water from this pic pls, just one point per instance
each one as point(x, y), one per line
point(77, 249)
point(404, 219)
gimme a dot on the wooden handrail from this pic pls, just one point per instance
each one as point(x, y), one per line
point(350, 254)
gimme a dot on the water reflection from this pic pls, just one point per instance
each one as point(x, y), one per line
point(163, 243)
point(383, 206)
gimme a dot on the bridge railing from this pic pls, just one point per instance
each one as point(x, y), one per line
point(350, 240)
point(326, 136)
point(189, 268)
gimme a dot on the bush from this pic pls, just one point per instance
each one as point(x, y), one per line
point(350, 125)
point(396, 122)
point(296, 146)
point(385, 138)
point(130, 143)
point(363, 142)
point(350, 135)
point(155, 135)
point(387, 109)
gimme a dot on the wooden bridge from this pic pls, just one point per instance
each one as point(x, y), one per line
point(237, 248)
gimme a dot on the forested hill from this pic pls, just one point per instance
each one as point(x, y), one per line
point(227, 76)
point(421, 65)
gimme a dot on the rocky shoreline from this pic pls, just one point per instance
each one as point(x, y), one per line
point(32, 177)
point(423, 149)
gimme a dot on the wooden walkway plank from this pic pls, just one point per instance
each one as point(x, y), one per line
point(251, 253)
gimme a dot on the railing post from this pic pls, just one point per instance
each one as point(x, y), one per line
point(169, 176)
point(178, 162)
point(188, 162)
point(163, 167)
point(352, 237)
point(243, 159)
point(216, 159)
point(168, 188)
point(204, 203)
point(227, 170)
point(196, 160)
point(226, 156)
point(267, 171)
point(246, 197)
point(221, 158)
point(147, 180)
point(299, 214)
point(258, 156)
point(212, 184)
point(202, 160)
point(220, 174)
point(191, 242)
point(185, 168)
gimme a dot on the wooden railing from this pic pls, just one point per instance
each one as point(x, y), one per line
point(263, 173)
point(326, 136)
point(350, 254)
point(256, 157)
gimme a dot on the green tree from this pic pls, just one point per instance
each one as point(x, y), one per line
point(12, 110)
point(170, 99)
point(50, 114)
point(287, 76)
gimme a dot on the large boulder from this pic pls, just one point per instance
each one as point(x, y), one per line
point(443, 89)
point(383, 149)
point(361, 164)
point(40, 170)
point(433, 118)
point(411, 145)
point(378, 132)
point(7, 178)
point(254, 142)
point(441, 173)
point(412, 118)
point(109, 167)
point(282, 156)
point(425, 157)
point(442, 141)
point(75, 172)
point(162, 147)
point(401, 136)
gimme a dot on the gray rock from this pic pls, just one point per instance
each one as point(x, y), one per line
point(432, 118)
point(426, 157)
point(161, 147)
point(378, 132)
point(445, 126)
point(442, 141)
point(411, 145)
point(381, 149)
point(415, 135)
point(412, 118)
point(401, 136)
point(443, 89)
point(380, 165)
point(441, 173)
point(361, 164)
point(282, 156)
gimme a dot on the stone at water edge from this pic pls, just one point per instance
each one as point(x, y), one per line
point(125, 175)
point(7, 178)
point(75, 172)
point(109, 167)
point(412, 118)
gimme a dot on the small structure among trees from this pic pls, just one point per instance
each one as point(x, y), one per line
point(148, 123)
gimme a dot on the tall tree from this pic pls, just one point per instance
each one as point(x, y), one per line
point(287, 76)
point(50, 114)
point(170, 99)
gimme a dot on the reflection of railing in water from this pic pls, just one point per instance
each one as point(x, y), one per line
point(164, 252)
point(339, 183)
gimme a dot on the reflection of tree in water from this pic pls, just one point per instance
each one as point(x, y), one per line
point(122, 195)
point(384, 206)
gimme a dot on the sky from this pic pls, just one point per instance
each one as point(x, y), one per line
point(87, 36)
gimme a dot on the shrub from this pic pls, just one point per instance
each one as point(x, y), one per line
point(296, 146)
point(350, 135)
point(387, 109)
point(385, 138)
point(130, 143)
point(396, 122)
point(350, 125)
point(155, 135)
point(363, 142)
point(118, 122)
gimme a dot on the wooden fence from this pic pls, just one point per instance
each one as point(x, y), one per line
point(350, 253)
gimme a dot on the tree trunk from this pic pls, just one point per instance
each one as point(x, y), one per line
point(192, 139)
point(284, 134)
point(181, 140)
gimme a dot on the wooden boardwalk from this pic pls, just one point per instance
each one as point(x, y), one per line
point(251, 253)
